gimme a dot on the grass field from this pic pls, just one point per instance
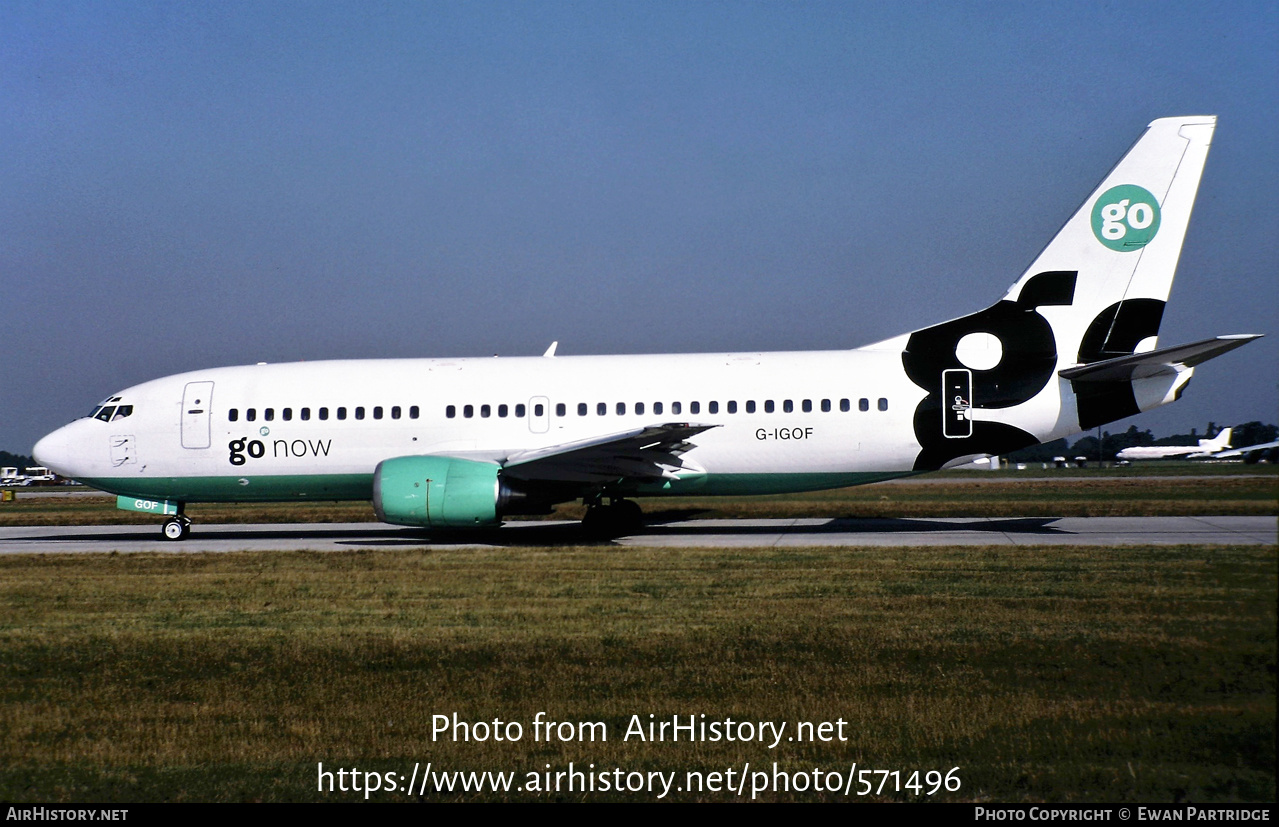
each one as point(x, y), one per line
point(1049, 674)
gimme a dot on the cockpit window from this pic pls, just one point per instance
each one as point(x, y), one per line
point(104, 409)
point(122, 411)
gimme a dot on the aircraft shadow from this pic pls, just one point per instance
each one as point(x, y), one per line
point(660, 524)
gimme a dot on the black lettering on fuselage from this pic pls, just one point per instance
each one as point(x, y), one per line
point(243, 449)
point(282, 448)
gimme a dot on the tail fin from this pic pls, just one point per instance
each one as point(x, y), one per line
point(1122, 245)
point(1218, 443)
point(1092, 297)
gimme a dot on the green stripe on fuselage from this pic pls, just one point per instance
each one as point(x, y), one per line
point(295, 487)
point(281, 488)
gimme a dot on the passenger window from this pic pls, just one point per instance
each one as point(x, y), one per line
point(269, 414)
point(750, 406)
point(713, 407)
point(581, 409)
point(231, 415)
point(657, 408)
point(286, 414)
point(825, 406)
point(621, 408)
point(305, 414)
point(694, 407)
point(105, 413)
point(788, 406)
point(341, 413)
point(359, 413)
point(676, 408)
point(601, 408)
point(450, 411)
point(863, 404)
point(883, 404)
point(377, 411)
point(468, 411)
point(560, 409)
point(324, 413)
point(414, 412)
point(807, 407)
point(251, 414)
point(502, 411)
point(768, 406)
point(485, 411)
point(732, 406)
point(845, 405)
point(395, 412)
point(639, 408)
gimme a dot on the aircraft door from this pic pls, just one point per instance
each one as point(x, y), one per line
point(197, 401)
point(957, 401)
point(539, 414)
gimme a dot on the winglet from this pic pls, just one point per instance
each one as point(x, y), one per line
point(550, 351)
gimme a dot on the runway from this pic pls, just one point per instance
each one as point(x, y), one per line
point(1013, 531)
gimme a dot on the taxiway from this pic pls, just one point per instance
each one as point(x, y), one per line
point(955, 531)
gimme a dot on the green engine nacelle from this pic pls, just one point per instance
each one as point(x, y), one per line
point(437, 492)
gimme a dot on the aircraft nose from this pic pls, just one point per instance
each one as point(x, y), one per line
point(56, 452)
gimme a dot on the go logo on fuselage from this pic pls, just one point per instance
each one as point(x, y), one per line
point(243, 449)
point(1125, 218)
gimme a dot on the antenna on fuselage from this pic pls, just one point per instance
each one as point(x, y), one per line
point(550, 351)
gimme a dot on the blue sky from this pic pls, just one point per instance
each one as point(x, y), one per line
point(186, 185)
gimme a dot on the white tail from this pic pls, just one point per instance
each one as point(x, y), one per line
point(1073, 343)
point(1122, 245)
point(1218, 443)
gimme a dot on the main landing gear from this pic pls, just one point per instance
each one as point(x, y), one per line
point(176, 528)
point(617, 518)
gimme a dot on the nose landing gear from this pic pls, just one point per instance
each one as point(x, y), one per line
point(176, 528)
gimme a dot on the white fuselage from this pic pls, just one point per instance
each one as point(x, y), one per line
point(784, 421)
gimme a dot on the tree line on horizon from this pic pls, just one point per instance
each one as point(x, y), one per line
point(1249, 433)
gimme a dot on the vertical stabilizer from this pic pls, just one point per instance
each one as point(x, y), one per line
point(1095, 293)
point(1123, 244)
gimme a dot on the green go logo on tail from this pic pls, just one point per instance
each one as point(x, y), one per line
point(1125, 218)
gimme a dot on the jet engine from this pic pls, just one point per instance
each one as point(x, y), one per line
point(441, 492)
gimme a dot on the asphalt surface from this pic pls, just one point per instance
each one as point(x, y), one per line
point(1013, 531)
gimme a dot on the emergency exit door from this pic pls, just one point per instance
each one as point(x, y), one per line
point(539, 415)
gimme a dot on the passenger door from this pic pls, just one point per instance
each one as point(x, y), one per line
point(197, 401)
point(957, 400)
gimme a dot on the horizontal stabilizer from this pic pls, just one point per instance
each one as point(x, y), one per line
point(1164, 360)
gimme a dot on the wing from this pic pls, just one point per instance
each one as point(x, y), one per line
point(647, 454)
point(1238, 452)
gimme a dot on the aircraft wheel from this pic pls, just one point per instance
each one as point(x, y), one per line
point(176, 529)
point(618, 517)
point(596, 519)
point(627, 515)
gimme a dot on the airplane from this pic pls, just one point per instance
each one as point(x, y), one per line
point(1205, 448)
point(453, 443)
point(1252, 454)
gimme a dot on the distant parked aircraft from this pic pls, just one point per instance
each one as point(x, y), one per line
point(1204, 448)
